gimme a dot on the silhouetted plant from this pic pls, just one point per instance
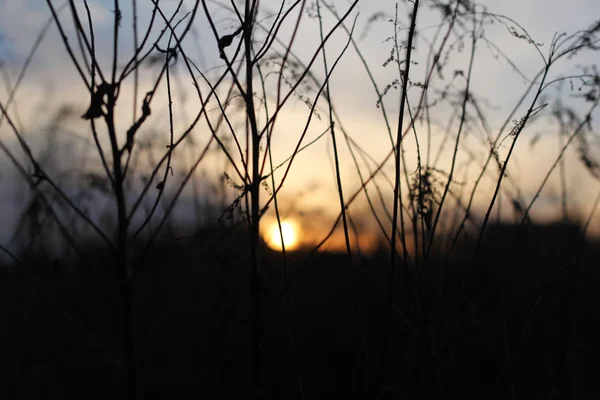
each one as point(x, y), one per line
point(146, 153)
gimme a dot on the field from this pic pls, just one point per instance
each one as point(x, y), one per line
point(296, 200)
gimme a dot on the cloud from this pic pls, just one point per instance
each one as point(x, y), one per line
point(354, 96)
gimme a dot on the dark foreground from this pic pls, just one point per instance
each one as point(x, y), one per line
point(526, 325)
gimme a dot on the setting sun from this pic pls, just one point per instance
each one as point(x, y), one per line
point(289, 233)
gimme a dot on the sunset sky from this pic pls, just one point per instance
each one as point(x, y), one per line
point(310, 193)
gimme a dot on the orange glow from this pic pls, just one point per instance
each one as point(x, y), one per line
point(289, 231)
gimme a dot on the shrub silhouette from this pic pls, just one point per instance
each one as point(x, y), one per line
point(137, 267)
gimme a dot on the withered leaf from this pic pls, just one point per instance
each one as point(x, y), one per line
point(225, 41)
point(95, 109)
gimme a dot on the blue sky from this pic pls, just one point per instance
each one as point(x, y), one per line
point(51, 76)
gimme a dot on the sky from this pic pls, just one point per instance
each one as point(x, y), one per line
point(310, 191)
